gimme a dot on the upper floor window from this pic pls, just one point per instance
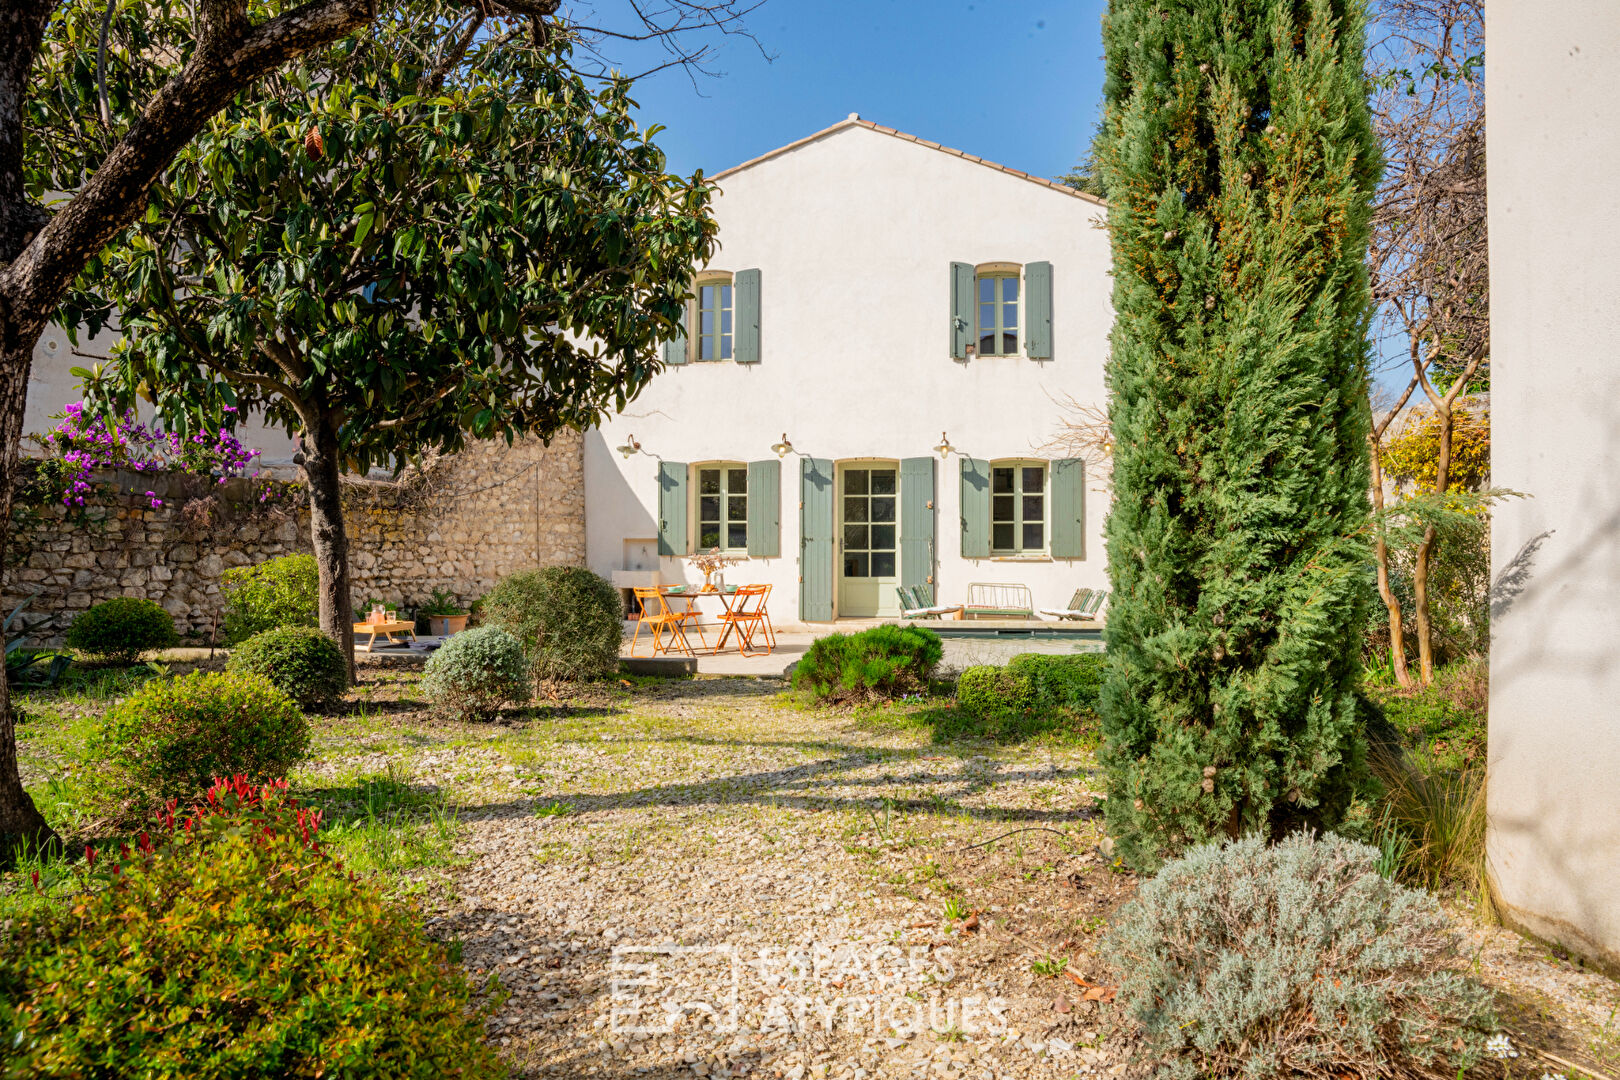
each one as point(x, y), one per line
point(998, 309)
point(1017, 507)
point(722, 506)
point(714, 314)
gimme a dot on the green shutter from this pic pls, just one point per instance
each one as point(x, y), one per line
point(675, 348)
point(962, 309)
point(765, 508)
point(672, 534)
point(1068, 495)
point(975, 509)
point(1038, 310)
point(816, 555)
point(917, 521)
point(745, 309)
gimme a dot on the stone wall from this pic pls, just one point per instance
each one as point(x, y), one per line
point(465, 524)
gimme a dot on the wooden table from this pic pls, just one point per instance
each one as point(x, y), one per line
point(386, 629)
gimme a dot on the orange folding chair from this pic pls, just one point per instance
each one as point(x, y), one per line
point(657, 615)
point(748, 617)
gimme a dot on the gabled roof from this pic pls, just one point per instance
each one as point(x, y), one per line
point(854, 120)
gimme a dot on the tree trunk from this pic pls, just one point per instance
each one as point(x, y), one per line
point(1425, 551)
point(322, 467)
point(1392, 603)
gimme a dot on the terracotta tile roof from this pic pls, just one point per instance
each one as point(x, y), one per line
point(854, 120)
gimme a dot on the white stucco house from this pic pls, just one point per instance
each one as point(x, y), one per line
point(872, 364)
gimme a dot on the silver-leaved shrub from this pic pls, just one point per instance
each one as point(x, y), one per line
point(1294, 959)
point(475, 672)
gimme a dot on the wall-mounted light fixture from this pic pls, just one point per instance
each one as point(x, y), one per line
point(944, 449)
point(783, 448)
point(630, 449)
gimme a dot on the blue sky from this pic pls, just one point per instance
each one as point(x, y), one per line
point(1015, 81)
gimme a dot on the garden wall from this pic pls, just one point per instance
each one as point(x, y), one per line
point(462, 525)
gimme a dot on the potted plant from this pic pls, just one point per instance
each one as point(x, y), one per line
point(444, 615)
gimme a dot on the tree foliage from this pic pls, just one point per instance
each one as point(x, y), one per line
point(1239, 160)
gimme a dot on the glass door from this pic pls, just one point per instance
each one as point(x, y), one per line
point(869, 563)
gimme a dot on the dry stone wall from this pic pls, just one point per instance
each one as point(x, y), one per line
point(476, 517)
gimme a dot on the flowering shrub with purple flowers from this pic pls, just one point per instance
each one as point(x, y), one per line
point(86, 441)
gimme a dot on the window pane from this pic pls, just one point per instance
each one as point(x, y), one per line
point(1009, 316)
point(725, 321)
point(855, 564)
point(855, 537)
point(1001, 537)
point(709, 537)
point(706, 348)
point(737, 536)
point(855, 508)
point(987, 289)
point(725, 347)
point(883, 564)
point(987, 316)
point(883, 508)
point(883, 537)
point(1009, 289)
point(737, 508)
point(1001, 480)
point(1034, 479)
point(725, 297)
point(709, 508)
point(736, 481)
point(1009, 344)
point(883, 481)
point(1032, 536)
point(708, 481)
point(706, 297)
point(855, 482)
point(1033, 507)
point(987, 345)
point(1001, 507)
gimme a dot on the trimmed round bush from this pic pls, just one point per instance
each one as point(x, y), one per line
point(279, 592)
point(475, 672)
point(1297, 959)
point(569, 620)
point(876, 664)
point(173, 737)
point(121, 629)
point(300, 661)
point(1034, 694)
point(234, 947)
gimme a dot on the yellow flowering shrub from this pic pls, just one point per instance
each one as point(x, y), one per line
point(1414, 455)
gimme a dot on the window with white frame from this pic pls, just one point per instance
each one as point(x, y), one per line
point(713, 317)
point(722, 506)
point(1017, 507)
point(998, 311)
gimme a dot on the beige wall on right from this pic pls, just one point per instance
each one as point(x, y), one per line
point(1553, 136)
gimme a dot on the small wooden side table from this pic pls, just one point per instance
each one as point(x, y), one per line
point(386, 629)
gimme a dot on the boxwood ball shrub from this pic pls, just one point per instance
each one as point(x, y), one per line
point(569, 620)
point(876, 664)
point(121, 629)
point(284, 591)
point(173, 737)
point(300, 661)
point(1294, 960)
point(229, 944)
point(475, 672)
point(1034, 694)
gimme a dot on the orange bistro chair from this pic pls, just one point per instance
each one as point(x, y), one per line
point(748, 617)
point(656, 614)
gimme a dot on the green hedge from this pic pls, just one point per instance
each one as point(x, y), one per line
point(1034, 694)
point(280, 592)
point(873, 665)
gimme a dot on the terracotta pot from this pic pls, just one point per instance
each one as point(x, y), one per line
point(445, 625)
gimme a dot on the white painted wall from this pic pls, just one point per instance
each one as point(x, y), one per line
point(854, 234)
point(1554, 785)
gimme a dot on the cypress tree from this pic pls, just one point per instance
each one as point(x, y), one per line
point(1239, 158)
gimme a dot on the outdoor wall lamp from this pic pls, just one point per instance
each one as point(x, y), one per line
point(630, 449)
point(944, 449)
point(783, 448)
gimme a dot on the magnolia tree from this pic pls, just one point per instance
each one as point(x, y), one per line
point(389, 252)
point(97, 98)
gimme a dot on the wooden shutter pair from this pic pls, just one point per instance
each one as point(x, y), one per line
point(764, 508)
point(1066, 508)
point(1037, 313)
point(745, 337)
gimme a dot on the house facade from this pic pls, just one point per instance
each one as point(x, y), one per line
point(874, 368)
